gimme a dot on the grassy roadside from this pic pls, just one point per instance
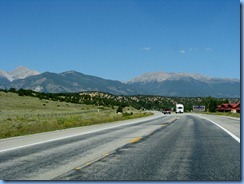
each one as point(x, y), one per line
point(230, 114)
point(29, 115)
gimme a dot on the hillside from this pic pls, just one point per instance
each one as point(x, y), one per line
point(149, 102)
point(22, 113)
point(70, 81)
point(185, 85)
point(20, 72)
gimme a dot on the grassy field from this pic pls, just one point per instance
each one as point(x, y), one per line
point(29, 115)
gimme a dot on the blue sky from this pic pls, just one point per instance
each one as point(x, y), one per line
point(121, 39)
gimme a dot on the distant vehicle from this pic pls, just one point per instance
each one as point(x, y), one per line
point(166, 111)
point(179, 108)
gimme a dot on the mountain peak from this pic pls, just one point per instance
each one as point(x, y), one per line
point(70, 72)
point(151, 76)
point(163, 76)
point(6, 75)
point(20, 72)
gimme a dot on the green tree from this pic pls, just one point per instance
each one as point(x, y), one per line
point(120, 109)
point(13, 90)
point(212, 105)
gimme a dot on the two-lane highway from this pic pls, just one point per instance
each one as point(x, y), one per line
point(171, 147)
point(188, 149)
point(44, 160)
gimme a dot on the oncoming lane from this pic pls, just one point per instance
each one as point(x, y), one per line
point(50, 159)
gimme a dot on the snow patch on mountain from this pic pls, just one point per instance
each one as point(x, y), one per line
point(20, 72)
point(6, 75)
point(163, 76)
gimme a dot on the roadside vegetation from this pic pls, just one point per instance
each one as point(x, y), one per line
point(25, 112)
point(23, 115)
point(212, 103)
point(236, 115)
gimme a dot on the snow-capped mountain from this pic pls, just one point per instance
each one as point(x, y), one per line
point(185, 85)
point(163, 76)
point(20, 72)
point(6, 75)
point(154, 83)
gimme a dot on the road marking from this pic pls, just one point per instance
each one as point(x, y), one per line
point(135, 140)
point(77, 168)
point(173, 120)
point(84, 133)
point(169, 122)
point(227, 131)
point(107, 154)
point(88, 163)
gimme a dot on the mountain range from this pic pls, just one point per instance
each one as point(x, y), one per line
point(154, 83)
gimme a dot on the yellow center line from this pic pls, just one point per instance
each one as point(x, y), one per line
point(88, 163)
point(77, 168)
point(107, 154)
point(135, 140)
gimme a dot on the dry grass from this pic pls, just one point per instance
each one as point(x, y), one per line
point(29, 115)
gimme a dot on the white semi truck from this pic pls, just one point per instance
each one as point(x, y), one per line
point(179, 108)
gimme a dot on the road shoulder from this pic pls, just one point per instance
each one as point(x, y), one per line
point(35, 139)
point(230, 124)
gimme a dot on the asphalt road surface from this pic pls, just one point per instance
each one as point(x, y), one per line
point(166, 147)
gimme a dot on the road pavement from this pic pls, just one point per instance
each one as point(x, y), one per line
point(163, 147)
point(187, 149)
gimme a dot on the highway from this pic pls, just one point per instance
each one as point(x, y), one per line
point(158, 148)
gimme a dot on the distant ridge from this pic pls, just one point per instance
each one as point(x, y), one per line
point(153, 83)
point(70, 81)
point(162, 76)
point(185, 85)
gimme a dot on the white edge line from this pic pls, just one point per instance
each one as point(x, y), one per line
point(33, 144)
point(227, 131)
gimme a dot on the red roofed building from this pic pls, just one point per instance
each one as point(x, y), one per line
point(235, 108)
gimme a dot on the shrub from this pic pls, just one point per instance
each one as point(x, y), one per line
point(68, 124)
point(126, 114)
point(120, 109)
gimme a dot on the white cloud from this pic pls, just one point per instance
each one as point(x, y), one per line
point(182, 51)
point(146, 48)
point(194, 49)
point(208, 49)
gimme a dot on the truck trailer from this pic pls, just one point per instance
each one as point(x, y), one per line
point(179, 108)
